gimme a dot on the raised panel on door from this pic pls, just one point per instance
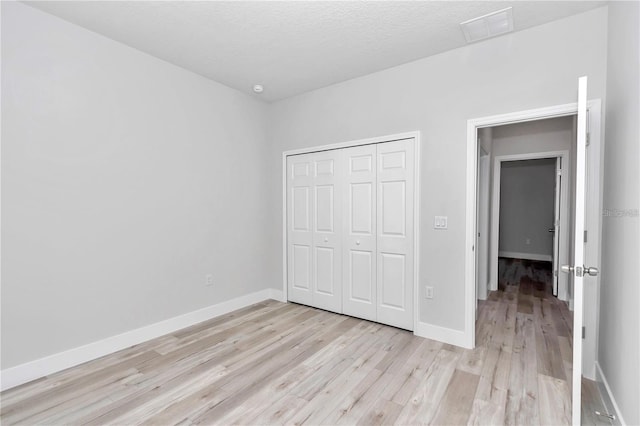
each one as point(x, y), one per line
point(359, 224)
point(299, 228)
point(327, 230)
point(395, 227)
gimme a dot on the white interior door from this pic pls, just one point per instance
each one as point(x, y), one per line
point(556, 225)
point(299, 228)
point(395, 222)
point(327, 230)
point(359, 239)
point(578, 269)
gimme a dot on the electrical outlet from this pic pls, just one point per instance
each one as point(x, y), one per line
point(209, 280)
point(528, 241)
point(428, 292)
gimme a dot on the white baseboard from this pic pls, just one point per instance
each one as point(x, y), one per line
point(32, 370)
point(527, 256)
point(276, 295)
point(442, 334)
point(602, 382)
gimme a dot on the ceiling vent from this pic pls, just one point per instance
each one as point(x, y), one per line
point(489, 25)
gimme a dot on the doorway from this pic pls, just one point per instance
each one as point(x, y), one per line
point(531, 219)
point(591, 191)
point(531, 205)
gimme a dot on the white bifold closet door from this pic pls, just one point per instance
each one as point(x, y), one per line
point(359, 249)
point(350, 231)
point(395, 233)
point(314, 249)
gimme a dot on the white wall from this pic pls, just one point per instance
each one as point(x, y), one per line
point(527, 200)
point(619, 339)
point(124, 181)
point(437, 95)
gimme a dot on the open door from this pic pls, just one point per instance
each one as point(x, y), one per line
point(556, 225)
point(578, 269)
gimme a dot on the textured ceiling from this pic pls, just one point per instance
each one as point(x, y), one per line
point(294, 46)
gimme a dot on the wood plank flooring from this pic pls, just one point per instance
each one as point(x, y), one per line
point(277, 363)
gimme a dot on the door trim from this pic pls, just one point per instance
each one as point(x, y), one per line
point(415, 135)
point(494, 253)
point(594, 221)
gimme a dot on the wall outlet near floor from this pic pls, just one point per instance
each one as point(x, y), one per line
point(428, 292)
point(528, 241)
point(208, 281)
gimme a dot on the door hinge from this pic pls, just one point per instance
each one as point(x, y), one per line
point(588, 138)
point(584, 331)
point(585, 235)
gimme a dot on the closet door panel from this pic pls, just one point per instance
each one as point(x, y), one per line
point(327, 230)
point(299, 228)
point(361, 281)
point(392, 282)
point(395, 221)
point(359, 239)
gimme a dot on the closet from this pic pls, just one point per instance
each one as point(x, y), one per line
point(350, 231)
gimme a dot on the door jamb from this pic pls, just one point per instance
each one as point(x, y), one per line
point(415, 135)
point(594, 221)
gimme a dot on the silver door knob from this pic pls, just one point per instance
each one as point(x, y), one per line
point(552, 230)
point(591, 271)
point(566, 269)
point(326, 240)
point(358, 242)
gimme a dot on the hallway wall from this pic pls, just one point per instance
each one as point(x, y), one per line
point(527, 202)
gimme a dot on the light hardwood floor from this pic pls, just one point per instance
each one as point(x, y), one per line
point(277, 363)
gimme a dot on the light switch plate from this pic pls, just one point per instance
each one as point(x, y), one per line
point(440, 222)
point(428, 292)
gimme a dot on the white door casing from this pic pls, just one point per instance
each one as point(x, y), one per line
point(395, 221)
point(359, 240)
point(556, 225)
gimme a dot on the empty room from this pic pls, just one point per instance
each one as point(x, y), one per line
point(319, 212)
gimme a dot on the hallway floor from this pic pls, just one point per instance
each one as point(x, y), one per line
point(530, 332)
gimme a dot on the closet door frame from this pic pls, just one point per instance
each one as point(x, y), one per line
point(415, 135)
